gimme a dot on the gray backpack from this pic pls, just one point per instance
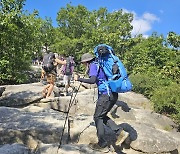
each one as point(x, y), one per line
point(68, 66)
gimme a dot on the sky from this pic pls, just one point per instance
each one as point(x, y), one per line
point(161, 16)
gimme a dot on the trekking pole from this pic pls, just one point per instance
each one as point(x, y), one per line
point(69, 107)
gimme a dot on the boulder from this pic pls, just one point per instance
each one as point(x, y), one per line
point(14, 149)
point(21, 95)
point(31, 125)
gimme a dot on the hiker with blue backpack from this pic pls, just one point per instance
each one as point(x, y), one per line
point(108, 72)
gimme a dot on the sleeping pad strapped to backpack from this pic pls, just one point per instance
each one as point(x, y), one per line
point(117, 78)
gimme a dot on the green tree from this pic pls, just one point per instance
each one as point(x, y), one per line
point(81, 30)
point(174, 40)
point(21, 36)
point(154, 69)
point(149, 53)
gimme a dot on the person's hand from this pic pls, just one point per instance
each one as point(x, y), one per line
point(76, 77)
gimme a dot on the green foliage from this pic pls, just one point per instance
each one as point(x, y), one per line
point(167, 100)
point(148, 53)
point(154, 72)
point(151, 53)
point(20, 37)
point(145, 83)
point(174, 40)
point(81, 30)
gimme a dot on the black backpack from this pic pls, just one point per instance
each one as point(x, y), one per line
point(48, 62)
point(68, 66)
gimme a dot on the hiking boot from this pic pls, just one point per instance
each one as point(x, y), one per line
point(121, 137)
point(96, 147)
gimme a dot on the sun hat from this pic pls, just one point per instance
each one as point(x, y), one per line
point(86, 57)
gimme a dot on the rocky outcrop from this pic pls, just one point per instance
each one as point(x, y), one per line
point(39, 123)
point(21, 95)
point(14, 149)
point(30, 126)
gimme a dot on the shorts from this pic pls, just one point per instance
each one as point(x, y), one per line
point(67, 79)
point(51, 78)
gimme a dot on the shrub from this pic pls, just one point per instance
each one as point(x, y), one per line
point(145, 83)
point(166, 100)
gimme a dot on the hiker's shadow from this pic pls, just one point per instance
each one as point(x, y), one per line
point(116, 113)
point(132, 137)
point(127, 127)
point(123, 106)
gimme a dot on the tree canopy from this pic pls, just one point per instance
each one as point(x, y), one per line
point(21, 35)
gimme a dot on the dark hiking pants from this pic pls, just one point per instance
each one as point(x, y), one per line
point(103, 106)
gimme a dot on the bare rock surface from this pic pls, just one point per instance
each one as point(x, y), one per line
point(19, 95)
point(30, 126)
point(14, 149)
point(38, 124)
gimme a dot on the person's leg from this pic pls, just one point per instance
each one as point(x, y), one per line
point(66, 88)
point(50, 79)
point(103, 106)
point(46, 87)
point(50, 89)
point(45, 90)
point(99, 115)
point(64, 80)
point(108, 121)
point(66, 83)
point(120, 133)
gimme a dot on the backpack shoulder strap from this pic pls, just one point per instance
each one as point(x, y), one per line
point(98, 66)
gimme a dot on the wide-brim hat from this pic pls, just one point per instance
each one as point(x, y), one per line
point(86, 57)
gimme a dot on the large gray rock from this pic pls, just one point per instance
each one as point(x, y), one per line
point(20, 95)
point(84, 102)
point(34, 126)
point(135, 100)
point(67, 148)
point(14, 149)
point(147, 116)
point(62, 104)
point(143, 137)
point(30, 126)
point(152, 140)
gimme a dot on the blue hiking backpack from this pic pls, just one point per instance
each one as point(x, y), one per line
point(117, 78)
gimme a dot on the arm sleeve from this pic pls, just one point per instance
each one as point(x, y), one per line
point(91, 80)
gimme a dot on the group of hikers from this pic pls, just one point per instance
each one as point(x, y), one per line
point(106, 70)
point(53, 66)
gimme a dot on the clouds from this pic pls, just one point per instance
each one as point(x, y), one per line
point(142, 24)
